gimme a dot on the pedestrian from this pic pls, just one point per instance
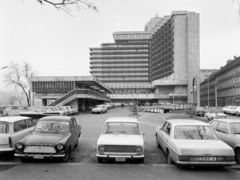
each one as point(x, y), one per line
point(122, 105)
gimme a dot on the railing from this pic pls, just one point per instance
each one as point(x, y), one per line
point(74, 92)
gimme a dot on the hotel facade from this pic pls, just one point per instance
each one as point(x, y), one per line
point(158, 65)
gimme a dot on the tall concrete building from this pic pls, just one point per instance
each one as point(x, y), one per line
point(160, 64)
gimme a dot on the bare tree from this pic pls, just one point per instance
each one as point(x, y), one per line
point(11, 100)
point(68, 5)
point(19, 99)
point(19, 77)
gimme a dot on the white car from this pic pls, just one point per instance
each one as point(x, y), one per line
point(228, 130)
point(99, 109)
point(233, 110)
point(13, 129)
point(227, 110)
point(193, 142)
point(214, 115)
point(121, 139)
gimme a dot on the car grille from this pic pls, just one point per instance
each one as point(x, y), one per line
point(39, 149)
point(120, 149)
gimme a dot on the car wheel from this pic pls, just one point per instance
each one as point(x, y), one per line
point(238, 155)
point(141, 160)
point(67, 156)
point(157, 143)
point(100, 160)
point(169, 158)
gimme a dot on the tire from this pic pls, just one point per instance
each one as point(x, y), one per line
point(157, 143)
point(67, 155)
point(169, 158)
point(100, 160)
point(238, 155)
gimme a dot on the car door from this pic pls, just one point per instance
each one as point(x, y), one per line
point(223, 131)
point(166, 136)
point(20, 130)
point(160, 134)
point(74, 133)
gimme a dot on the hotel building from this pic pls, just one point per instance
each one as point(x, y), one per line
point(157, 65)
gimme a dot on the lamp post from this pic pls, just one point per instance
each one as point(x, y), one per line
point(208, 91)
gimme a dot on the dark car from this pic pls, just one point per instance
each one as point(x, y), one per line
point(200, 113)
point(52, 137)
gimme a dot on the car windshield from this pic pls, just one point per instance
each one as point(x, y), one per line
point(52, 126)
point(235, 128)
point(194, 132)
point(121, 128)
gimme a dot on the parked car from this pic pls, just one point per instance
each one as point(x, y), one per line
point(52, 137)
point(56, 110)
point(200, 113)
point(121, 139)
point(72, 110)
point(238, 111)
point(193, 142)
point(228, 130)
point(99, 109)
point(12, 129)
point(214, 115)
point(227, 110)
point(233, 110)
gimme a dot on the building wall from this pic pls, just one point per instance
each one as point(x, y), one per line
point(223, 87)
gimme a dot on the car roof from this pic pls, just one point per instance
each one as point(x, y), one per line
point(228, 120)
point(177, 122)
point(58, 118)
point(122, 119)
point(12, 119)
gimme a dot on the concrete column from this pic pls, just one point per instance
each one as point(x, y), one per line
point(44, 102)
point(83, 105)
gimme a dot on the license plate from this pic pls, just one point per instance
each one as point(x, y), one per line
point(119, 159)
point(206, 158)
point(38, 157)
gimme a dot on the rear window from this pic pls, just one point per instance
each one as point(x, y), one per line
point(196, 132)
point(4, 128)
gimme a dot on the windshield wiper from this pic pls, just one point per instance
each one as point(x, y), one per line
point(108, 132)
point(124, 132)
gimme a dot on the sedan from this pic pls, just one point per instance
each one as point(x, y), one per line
point(53, 137)
point(193, 142)
point(228, 130)
point(121, 139)
point(214, 115)
point(99, 109)
point(12, 129)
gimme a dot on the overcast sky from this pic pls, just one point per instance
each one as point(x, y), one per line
point(57, 44)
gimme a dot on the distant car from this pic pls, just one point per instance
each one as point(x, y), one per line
point(121, 139)
point(53, 137)
point(228, 130)
point(234, 110)
point(214, 115)
point(193, 142)
point(199, 113)
point(99, 109)
point(72, 110)
point(228, 110)
point(12, 129)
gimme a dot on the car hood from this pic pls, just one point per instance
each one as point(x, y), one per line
point(204, 147)
point(37, 138)
point(120, 139)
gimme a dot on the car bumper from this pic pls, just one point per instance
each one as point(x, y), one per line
point(6, 149)
point(112, 156)
point(206, 163)
point(32, 156)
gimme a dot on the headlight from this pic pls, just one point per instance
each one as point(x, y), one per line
point(59, 146)
point(139, 149)
point(101, 148)
point(19, 146)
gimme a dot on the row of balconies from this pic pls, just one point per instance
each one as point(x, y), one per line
point(120, 65)
point(119, 61)
point(120, 70)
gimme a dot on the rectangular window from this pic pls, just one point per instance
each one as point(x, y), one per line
point(19, 125)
